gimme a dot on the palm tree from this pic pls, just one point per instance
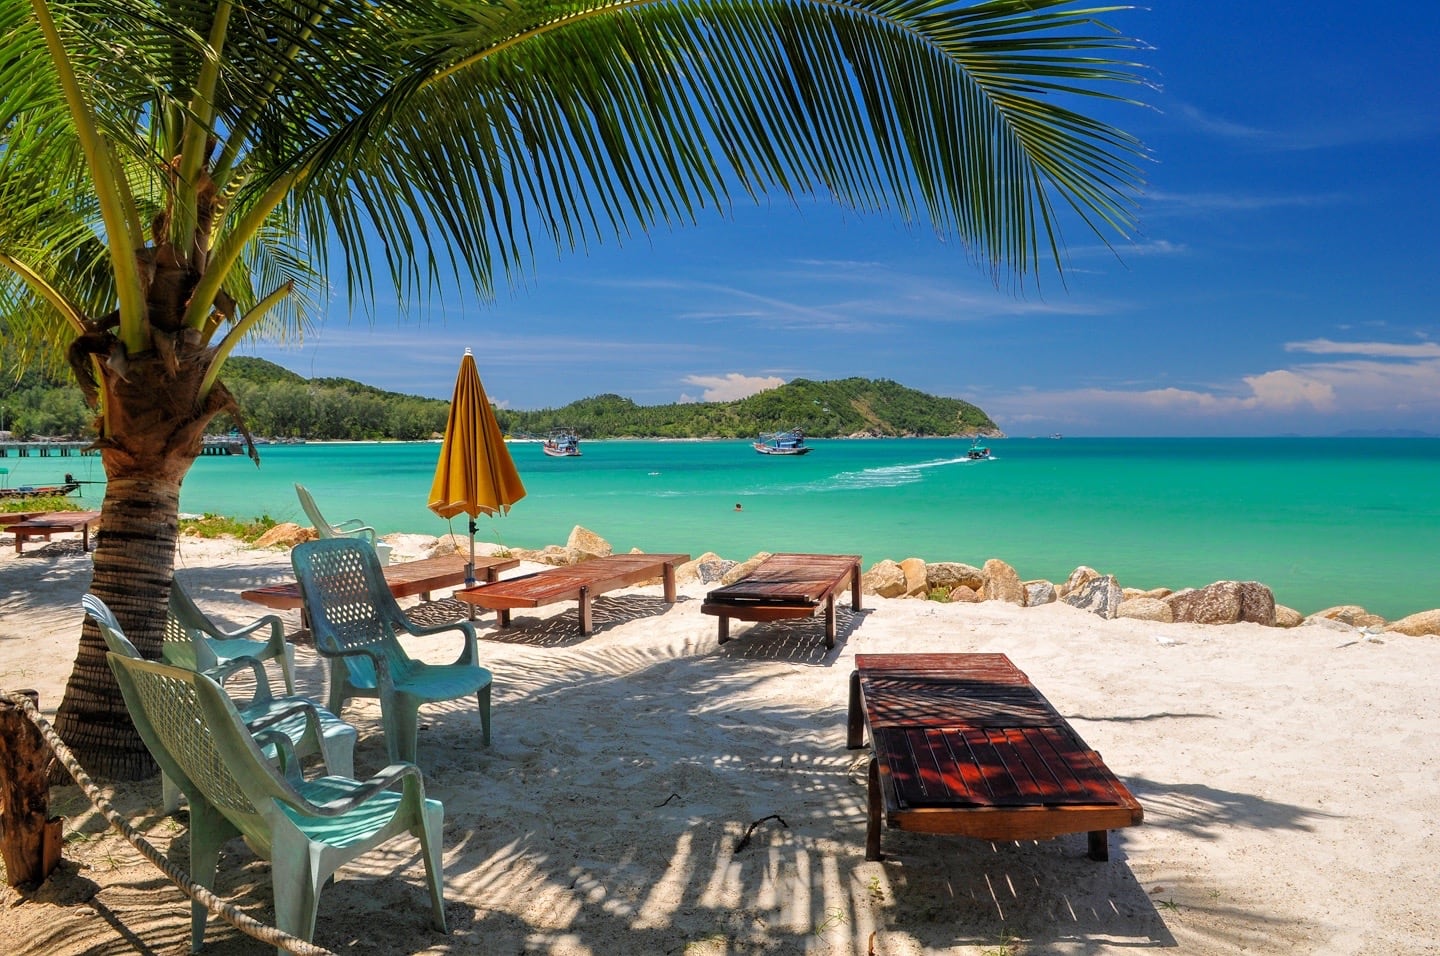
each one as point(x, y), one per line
point(176, 175)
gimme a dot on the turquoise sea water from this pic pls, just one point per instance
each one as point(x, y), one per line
point(1322, 522)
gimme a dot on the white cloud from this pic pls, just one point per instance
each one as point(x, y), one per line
point(728, 388)
point(1394, 124)
point(1159, 201)
point(1403, 389)
point(1284, 390)
point(1373, 349)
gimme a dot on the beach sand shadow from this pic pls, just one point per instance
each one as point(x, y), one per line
point(798, 641)
point(560, 627)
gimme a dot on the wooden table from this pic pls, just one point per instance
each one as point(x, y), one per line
point(44, 525)
point(964, 744)
point(577, 582)
point(405, 579)
point(788, 586)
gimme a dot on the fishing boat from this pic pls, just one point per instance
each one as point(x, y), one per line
point(978, 452)
point(68, 486)
point(562, 443)
point(790, 442)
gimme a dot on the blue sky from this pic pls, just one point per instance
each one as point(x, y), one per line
point(1284, 279)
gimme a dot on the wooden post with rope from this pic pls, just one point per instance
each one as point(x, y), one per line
point(29, 836)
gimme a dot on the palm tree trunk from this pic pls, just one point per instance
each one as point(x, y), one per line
point(157, 429)
point(134, 559)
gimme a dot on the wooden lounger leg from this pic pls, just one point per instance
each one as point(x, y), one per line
point(587, 621)
point(504, 616)
point(668, 577)
point(1100, 845)
point(855, 589)
point(830, 621)
point(724, 629)
point(874, 810)
point(855, 723)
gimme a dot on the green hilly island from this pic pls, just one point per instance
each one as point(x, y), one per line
point(281, 404)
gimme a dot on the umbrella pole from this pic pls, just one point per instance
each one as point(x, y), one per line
point(470, 568)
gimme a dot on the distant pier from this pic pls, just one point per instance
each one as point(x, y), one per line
point(67, 449)
point(45, 449)
point(223, 446)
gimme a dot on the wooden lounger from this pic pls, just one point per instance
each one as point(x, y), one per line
point(579, 582)
point(405, 579)
point(788, 586)
point(964, 744)
point(44, 525)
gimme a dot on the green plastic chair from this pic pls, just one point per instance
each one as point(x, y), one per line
point(351, 528)
point(328, 735)
point(356, 623)
point(193, 640)
point(306, 829)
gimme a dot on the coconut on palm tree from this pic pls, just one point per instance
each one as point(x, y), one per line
point(176, 175)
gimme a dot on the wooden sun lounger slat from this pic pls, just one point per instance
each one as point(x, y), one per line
point(1023, 766)
point(579, 582)
point(964, 744)
point(915, 702)
point(786, 586)
point(406, 579)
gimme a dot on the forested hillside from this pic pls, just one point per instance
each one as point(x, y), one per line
point(851, 406)
point(281, 404)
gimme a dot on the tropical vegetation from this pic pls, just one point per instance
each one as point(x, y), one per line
point(179, 175)
point(280, 404)
point(852, 406)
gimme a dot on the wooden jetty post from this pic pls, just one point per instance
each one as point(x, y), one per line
point(29, 836)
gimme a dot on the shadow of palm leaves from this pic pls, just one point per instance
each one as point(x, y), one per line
point(799, 641)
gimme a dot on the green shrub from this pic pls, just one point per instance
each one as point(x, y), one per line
point(42, 503)
point(220, 526)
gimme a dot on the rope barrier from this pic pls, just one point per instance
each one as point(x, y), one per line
point(218, 907)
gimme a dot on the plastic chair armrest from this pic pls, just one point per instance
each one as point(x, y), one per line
point(469, 655)
point(380, 661)
point(363, 531)
point(284, 751)
point(227, 670)
point(277, 631)
point(395, 773)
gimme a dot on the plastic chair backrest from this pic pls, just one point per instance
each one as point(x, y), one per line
point(192, 639)
point(184, 641)
point(351, 607)
point(164, 701)
point(351, 528)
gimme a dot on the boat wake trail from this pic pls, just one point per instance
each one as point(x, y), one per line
point(888, 476)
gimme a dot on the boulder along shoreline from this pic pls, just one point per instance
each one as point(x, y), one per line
point(1222, 602)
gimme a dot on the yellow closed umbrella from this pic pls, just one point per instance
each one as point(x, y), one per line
point(475, 474)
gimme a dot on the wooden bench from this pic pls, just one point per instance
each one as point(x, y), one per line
point(964, 744)
point(405, 580)
point(43, 526)
point(788, 586)
point(579, 582)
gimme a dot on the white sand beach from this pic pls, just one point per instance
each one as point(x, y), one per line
point(1288, 779)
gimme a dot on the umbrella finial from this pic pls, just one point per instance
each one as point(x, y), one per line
point(467, 350)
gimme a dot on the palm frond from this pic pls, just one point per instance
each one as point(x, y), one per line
point(432, 137)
